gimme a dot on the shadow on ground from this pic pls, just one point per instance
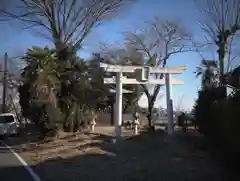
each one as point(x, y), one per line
point(14, 173)
point(146, 157)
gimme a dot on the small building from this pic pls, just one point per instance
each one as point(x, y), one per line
point(233, 78)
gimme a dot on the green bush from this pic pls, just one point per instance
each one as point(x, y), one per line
point(202, 109)
point(218, 119)
point(225, 115)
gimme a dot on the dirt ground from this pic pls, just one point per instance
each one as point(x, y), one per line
point(146, 157)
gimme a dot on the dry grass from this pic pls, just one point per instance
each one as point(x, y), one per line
point(149, 156)
point(69, 145)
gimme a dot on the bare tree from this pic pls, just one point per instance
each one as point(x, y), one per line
point(63, 21)
point(159, 41)
point(221, 22)
point(178, 105)
point(12, 83)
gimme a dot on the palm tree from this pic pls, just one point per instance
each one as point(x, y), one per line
point(209, 72)
point(42, 74)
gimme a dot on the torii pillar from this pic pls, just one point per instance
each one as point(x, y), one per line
point(169, 104)
point(113, 103)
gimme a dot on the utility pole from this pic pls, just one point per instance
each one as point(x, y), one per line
point(4, 83)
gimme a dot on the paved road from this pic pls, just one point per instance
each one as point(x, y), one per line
point(11, 169)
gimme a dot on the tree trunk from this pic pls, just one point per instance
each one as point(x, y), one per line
point(151, 101)
point(149, 115)
point(112, 113)
point(221, 55)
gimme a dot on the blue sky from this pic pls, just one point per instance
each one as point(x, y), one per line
point(15, 41)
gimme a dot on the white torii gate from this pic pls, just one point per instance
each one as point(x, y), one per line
point(143, 78)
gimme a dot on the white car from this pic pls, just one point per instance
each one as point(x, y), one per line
point(8, 124)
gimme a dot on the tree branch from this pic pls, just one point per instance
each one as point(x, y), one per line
point(66, 21)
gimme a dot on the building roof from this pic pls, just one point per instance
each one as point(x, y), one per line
point(124, 91)
point(234, 77)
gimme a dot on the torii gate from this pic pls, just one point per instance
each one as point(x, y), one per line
point(142, 78)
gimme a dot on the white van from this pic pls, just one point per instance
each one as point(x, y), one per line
point(8, 124)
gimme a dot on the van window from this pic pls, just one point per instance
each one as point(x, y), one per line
point(6, 119)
